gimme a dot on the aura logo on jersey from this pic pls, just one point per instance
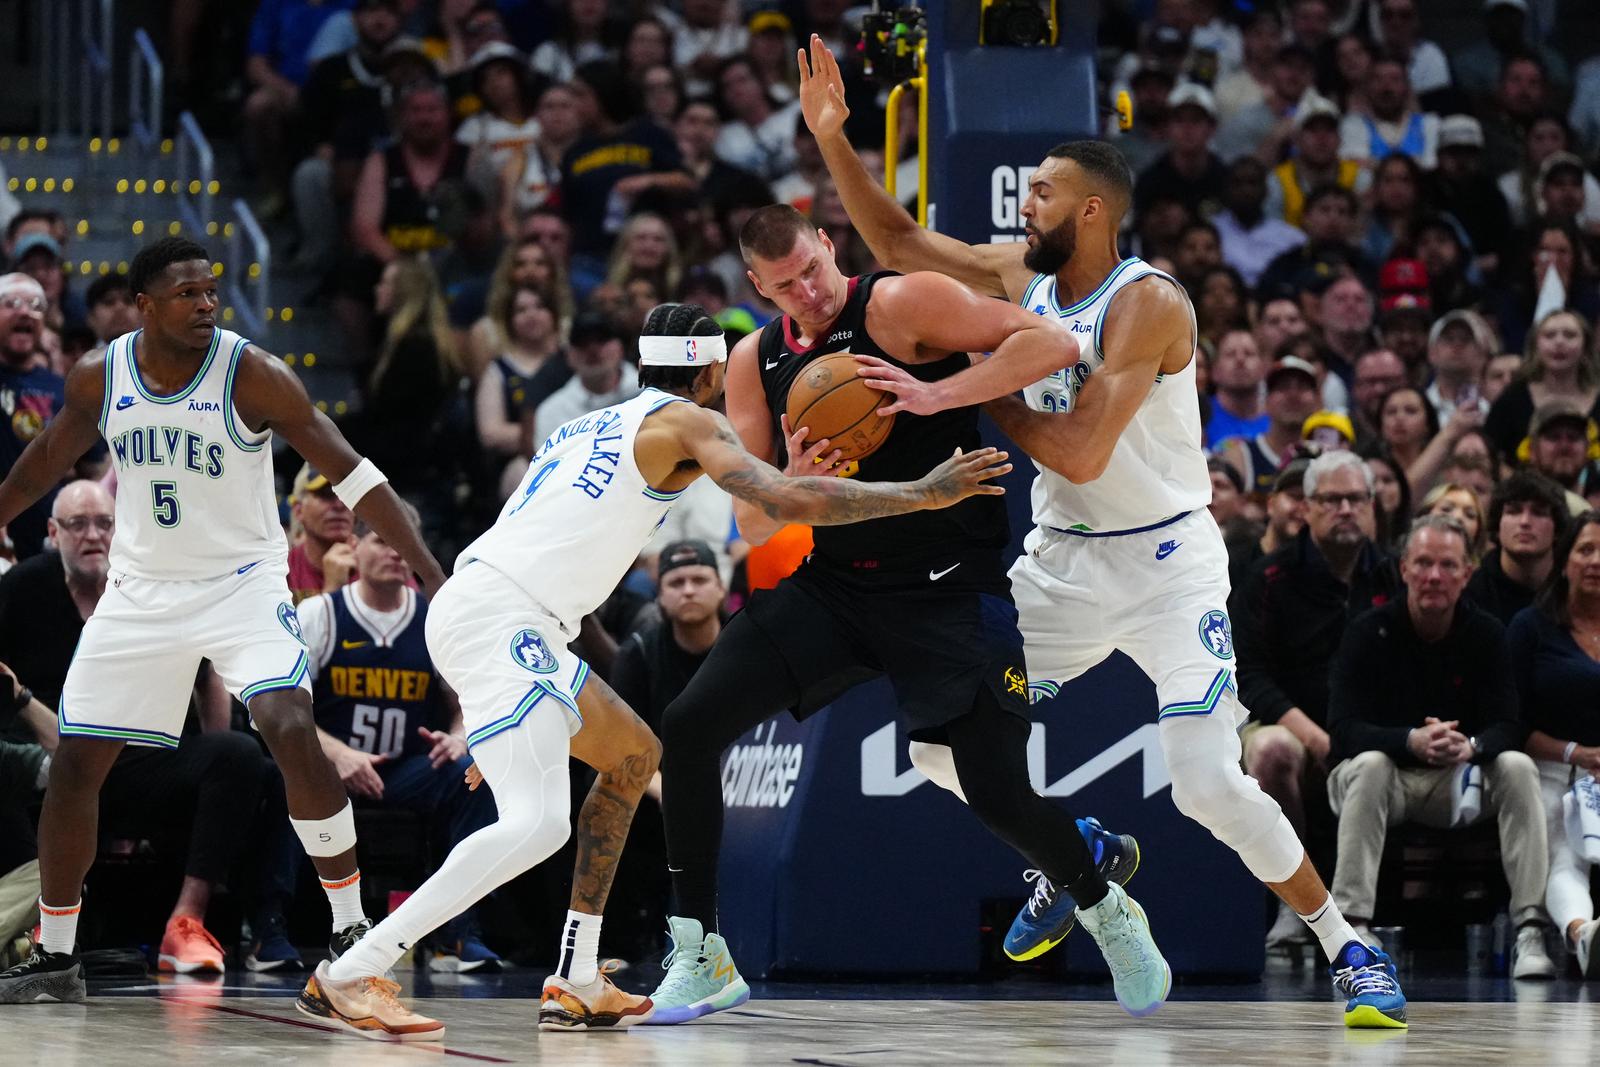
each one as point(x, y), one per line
point(1216, 634)
point(761, 774)
point(531, 652)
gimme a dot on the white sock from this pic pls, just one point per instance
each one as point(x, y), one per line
point(1329, 924)
point(58, 927)
point(344, 896)
point(580, 948)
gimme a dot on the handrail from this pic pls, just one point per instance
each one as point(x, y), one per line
point(196, 174)
point(891, 134)
point(145, 70)
point(248, 279)
point(96, 63)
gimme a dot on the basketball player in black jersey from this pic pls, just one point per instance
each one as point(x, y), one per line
point(921, 598)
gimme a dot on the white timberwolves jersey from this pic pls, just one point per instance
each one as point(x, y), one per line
point(1157, 469)
point(582, 514)
point(194, 487)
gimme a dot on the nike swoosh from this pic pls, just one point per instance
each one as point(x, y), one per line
point(125, 403)
point(403, 946)
point(1164, 551)
point(934, 576)
point(246, 567)
point(774, 363)
point(354, 644)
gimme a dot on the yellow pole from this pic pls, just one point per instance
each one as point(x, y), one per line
point(891, 137)
point(921, 82)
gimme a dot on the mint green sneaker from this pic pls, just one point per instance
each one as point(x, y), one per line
point(701, 977)
point(1139, 973)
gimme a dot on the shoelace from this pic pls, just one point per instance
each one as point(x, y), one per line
point(1373, 978)
point(386, 992)
point(1044, 894)
point(1121, 945)
point(194, 928)
point(678, 977)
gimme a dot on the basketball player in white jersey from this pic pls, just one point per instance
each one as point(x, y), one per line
point(1124, 554)
point(593, 496)
point(198, 571)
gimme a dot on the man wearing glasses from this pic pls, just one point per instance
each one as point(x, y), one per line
point(30, 393)
point(202, 794)
point(1289, 615)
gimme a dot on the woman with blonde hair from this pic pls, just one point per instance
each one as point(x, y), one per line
point(1559, 363)
point(1462, 504)
point(524, 265)
point(505, 391)
point(646, 248)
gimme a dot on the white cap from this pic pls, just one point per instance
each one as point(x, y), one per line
point(1315, 106)
point(1460, 131)
point(1194, 95)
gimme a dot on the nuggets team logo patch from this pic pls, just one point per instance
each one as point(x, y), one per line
point(291, 622)
point(1216, 634)
point(530, 652)
point(1016, 682)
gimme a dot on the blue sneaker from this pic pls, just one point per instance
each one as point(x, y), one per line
point(272, 950)
point(1048, 917)
point(470, 956)
point(1139, 972)
point(1367, 977)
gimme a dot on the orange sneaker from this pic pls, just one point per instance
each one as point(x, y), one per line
point(189, 948)
point(600, 1005)
point(366, 1006)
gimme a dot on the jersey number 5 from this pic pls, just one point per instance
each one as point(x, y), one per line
point(164, 501)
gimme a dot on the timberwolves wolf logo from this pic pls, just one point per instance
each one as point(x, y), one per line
point(530, 651)
point(1216, 635)
point(291, 622)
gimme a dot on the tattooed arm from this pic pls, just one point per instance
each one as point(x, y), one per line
point(709, 440)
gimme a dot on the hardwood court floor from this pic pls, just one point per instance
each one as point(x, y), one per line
point(168, 1024)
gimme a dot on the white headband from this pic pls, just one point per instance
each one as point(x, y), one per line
point(658, 351)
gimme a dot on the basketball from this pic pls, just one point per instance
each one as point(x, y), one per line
point(831, 401)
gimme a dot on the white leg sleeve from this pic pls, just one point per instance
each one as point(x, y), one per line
point(939, 764)
point(1567, 893)
point(526, 767)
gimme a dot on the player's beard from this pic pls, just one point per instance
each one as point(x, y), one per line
point(1054, 250)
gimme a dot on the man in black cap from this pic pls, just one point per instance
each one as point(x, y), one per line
point(1558, 446)
point(600, 376)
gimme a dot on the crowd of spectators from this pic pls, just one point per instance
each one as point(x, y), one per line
point(1391, 248)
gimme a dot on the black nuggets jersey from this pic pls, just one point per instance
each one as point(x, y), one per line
point(974, 530)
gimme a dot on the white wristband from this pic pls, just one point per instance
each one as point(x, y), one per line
point(359, 482)
point(1566, 753)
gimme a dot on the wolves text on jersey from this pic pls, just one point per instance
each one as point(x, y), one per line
point(167, 446)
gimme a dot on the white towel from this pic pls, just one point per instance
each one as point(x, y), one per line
point(1466, 797)
point(1581, 811)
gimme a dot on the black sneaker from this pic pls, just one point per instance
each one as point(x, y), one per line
point(44, 976)
point(345, 939)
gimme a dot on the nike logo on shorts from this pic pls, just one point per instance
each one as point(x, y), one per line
point(354, 644)
point(934, 576)
point(769, 366)
point(246, 567)
point(1167, 548)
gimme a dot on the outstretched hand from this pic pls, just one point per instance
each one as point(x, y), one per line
point(821, 90)
point(967, 474)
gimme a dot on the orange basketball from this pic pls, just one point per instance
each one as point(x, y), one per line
point(831, 401)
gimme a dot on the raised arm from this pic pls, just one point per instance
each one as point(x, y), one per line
point(891, 233)
point(268, 395)
point(710, 441)
point(926, 315)
point(1146, 321)
point(65, 438)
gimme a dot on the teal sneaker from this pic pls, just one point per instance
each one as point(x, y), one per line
point(1139, 973)
point(701, 977)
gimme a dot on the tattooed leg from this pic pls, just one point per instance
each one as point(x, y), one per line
point(615, 742)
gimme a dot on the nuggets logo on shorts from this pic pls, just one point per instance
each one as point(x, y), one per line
point(1216, 634)
point(530, 651)
point(291, 622)
point(1016, 681)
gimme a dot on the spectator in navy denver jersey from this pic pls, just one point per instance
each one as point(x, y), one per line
point(390, 728)
point(652, 667)
point(30, 393)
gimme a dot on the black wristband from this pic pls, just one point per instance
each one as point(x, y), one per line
point(23, 698)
